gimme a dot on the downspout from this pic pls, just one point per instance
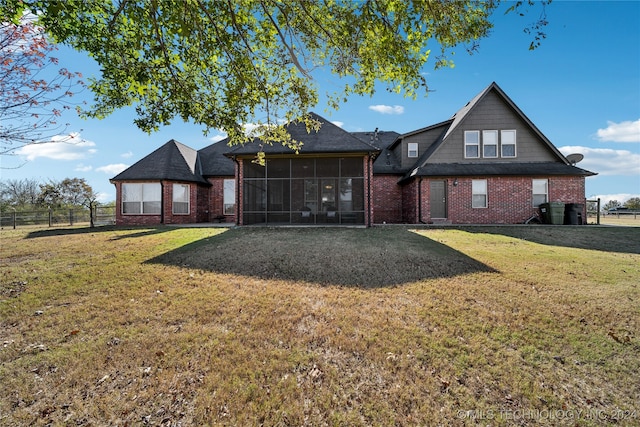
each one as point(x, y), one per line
point(369, 178)
point(162, 202)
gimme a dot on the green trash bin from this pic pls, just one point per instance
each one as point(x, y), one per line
point(556, 213)
point(552, 213)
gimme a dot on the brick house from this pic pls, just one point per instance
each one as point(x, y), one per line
point(487, 164)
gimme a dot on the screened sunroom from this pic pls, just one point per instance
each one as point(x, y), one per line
point(304, 190)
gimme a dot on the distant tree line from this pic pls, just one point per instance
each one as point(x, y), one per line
point(30, 194)
point(631, 204)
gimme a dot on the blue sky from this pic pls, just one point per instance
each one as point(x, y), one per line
point(581, 88)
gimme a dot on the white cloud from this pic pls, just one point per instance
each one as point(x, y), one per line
point(250, 129)
point(387, 109)
point(606, 198)
point(83, 168)
point(337, 123)
point(112, 169)
point(219, 137)
point(126, 155)
point(606, 161)
point(105, 197)
point(61, 147)
point(620, 132)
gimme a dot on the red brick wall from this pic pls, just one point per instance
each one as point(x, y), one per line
point(202, 206)
point(410, 201)
point(132, 219)
point(387, 199)
point(216, 200)
point(510, 199)
point(167, 197)
point(198, 197)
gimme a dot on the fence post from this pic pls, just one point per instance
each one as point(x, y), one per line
point(14, 219)
point(92, 210)
point(598, 214)
point(70, 216)
point(50, 217)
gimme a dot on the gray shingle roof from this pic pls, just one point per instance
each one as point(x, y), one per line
point(378, 138)
point(498, 169)
point(213, 160)
point(172, 161)
point(387, 162)
point(328, 139)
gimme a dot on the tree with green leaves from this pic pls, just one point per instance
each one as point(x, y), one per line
point(224, 63)
point(633, 203)
point(69, 192)
point(611, 204)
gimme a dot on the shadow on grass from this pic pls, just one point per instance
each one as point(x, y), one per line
point(142, 231)
point(607, 239)
point(367, 258)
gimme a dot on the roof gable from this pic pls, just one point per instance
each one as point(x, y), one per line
point(328, 139)
point(172, 161)
point(434, 161)
point(465, 111)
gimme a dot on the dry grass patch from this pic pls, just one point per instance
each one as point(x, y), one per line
point(167, 326)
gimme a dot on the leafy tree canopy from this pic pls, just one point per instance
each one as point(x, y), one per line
point(611, 204)
point(68, 192)
point(633, 203)
point(222, 63)
point(29, 193)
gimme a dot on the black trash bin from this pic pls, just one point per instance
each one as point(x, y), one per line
point(544, 213)
point(573, 213)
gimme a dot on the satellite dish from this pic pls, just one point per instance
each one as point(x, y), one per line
point(575, 158)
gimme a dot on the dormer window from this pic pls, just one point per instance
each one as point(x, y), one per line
point(412, 149)
point(472, 144)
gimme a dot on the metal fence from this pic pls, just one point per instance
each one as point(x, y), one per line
point(102, 215)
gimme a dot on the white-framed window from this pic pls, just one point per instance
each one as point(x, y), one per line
point(471, 144)
point(479, 193)
point(508, 143)
point(540, 190)
point(181, 196)
point(144, 198)
point(489, 143)
point(229, 202)
point(412, 149)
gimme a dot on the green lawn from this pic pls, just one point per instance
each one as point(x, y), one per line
point(335, 326)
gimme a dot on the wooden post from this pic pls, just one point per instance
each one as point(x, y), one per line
point(92, 206)
point(50, 217)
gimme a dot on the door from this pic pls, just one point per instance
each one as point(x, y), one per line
point(438, 199)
